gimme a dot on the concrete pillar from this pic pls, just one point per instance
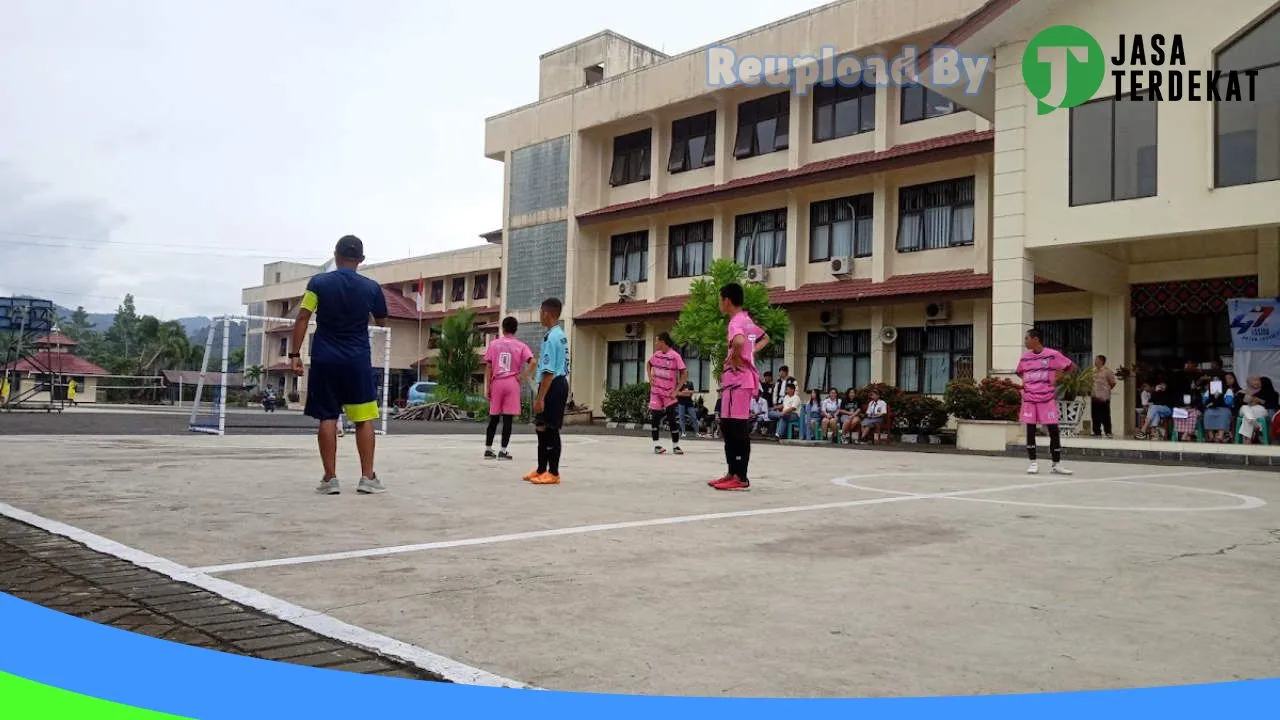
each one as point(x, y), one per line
point(1012, 270)
point(724, 139)
point(982, 214)
point(721, 233)
point(657, 261)
point(1269, 262)
point(1112, 336)
point(659, 144)
point(886, 116)
point(880, 355)
point(981, 338)
point(801, 133)
point(795, 221)
point(883, 220)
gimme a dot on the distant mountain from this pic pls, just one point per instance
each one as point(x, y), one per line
point(196, 327)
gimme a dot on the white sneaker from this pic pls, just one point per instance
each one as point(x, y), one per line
point(370, 486)
point(1059, 470)
point(1034, 469)
point(328, 486)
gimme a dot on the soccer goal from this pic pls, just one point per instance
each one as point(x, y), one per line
point(227, 400)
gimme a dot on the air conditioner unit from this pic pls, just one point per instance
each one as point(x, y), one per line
point(841, 266)
point(938, 311)
point(757, 274)
point(626, 290)
point(633, 330)
point(830, 318)
point(889, 335)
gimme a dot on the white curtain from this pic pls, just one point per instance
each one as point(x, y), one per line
point(1265, 363)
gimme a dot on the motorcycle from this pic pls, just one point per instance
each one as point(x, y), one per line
point(269, 403)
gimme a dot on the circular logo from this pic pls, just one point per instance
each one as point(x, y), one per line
point(1063, 66)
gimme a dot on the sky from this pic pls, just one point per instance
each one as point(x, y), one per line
point(169, 148)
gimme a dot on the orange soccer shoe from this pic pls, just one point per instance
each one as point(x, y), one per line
point(546, 479)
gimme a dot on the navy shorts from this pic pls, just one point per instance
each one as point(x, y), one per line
point(335, 388)
point(553, 406)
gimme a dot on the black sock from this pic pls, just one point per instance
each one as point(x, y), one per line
point(1031, 442)
point(489, 433)
point(553, 451)
point(655, 424)
point(506, 431)
point(745, 463)
point(674, 422)
point(1055, 444)
point(542, 451)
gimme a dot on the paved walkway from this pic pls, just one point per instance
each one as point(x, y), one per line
point(63, 575)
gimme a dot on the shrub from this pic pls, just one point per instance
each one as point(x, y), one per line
point(1077, 383)
point(990, 399)
point(627, 404)
point(919, 414)
point(294, 397)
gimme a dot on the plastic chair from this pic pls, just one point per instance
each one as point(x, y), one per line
point(883, 430)
point(1169, 427)
point(1265, 425)
point(793, 427)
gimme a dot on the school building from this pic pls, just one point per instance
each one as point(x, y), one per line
point(913, 232)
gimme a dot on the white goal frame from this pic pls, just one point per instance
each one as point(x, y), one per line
point(225, 322)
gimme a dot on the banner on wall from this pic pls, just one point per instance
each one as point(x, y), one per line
point(1254, 323)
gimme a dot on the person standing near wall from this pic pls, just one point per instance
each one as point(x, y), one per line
point(1104, 381)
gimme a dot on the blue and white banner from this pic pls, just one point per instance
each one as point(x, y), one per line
point(1255, 323)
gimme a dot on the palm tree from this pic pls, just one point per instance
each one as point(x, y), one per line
point(458, 361)
point(254, 373)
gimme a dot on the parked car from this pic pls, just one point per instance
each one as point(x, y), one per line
point(419, 392)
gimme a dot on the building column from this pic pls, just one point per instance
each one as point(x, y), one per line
point(801, 132)
point(887, 103)
point(659, 139)
point(721, 233)
point(657, 261)
point(791, 273)
point(982, 218)
point(1112, 333)
point(881, 236)
point(1269, 262)
point(981, 338)
point(880, 355)
point(724, 140)
point(1012, 270)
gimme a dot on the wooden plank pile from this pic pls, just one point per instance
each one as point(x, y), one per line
point(433, 412)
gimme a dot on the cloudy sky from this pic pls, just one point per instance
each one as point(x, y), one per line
point(168, 148)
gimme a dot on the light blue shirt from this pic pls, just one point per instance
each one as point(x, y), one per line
point(555, 354)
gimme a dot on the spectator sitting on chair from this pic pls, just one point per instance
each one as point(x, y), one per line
point(1162, 403)
point(831, 415)
point(1258, 403)
point(761, 412)
point(877, 409)
point(811, 416)
point(789, 410)
point(850, 414)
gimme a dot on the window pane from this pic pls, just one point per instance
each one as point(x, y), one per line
point(1091, 143)
point(938, 105)
point(912, 103)
point(819, 243)
point(1260, 46)
point(842, 238)
point(909, 373)
point(937, 227)
point(765, 131)
point(817, 377)
point(909, 231)
point(865, 225)
point(962, 226)
point(1135, 143)
point(862, 376)
point(842, 375)
point(742, 251)
point(823, 122)
point(1249, 134)
point(867, 111)
point(697, 144)
point(937, 371)
point(847, 117)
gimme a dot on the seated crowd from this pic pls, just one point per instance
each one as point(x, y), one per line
point(1210, 405)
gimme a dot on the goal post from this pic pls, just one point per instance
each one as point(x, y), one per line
point(211, 417)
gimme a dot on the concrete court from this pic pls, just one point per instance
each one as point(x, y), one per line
point(1121, 576)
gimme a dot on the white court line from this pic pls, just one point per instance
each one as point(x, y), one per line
point(312, 620)
point(584, 529)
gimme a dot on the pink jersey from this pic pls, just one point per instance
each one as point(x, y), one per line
point(1039, 373)
point(666, 365)
point(747, 377)
point(507, 356)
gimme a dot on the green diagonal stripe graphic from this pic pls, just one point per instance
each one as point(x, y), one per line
point(22, 699)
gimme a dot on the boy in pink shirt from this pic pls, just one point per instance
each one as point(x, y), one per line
point(667, 373)
point(739, 385)
point(507, 363)
point(1040, 368)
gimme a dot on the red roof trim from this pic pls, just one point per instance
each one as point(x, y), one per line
point(936, 149)
point(60, 363)
point(955, 284)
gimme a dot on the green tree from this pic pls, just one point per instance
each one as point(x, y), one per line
point(458, 361)
point(161, 345)
point(703, 326)
point(78, 327)
point(254, 373)
point(120, 343)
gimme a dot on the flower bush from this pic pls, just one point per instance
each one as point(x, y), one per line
point(919, 414)
point(627, 404)
point(990, 399)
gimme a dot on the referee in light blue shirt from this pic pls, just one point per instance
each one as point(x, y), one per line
point(553, 395)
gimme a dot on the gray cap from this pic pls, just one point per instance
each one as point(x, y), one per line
point(349, 246)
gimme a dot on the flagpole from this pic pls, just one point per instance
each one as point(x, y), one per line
point(421, 289)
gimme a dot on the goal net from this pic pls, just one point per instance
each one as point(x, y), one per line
point(268, 396)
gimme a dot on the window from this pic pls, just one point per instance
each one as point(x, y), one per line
point(437, 291)
point(284, 306)
point(625, 364)
point(284, 346)
point(930, 357)
point(593, 75)
point(763, 126)
point(629, 257)
point(689, 249)
point(459, 289)
point(936, 215)
point(631, 158)
point(921, 103)
point(771, 358)
point(1073, 338)
point(1248, 132)
point(839, 360)
point(761, 238)
point(840, 227)
point(699, 368)
point(1166, 342)
point(480, 289)
point(497, 286)
point(277, 277)
point(693, 143)
point(840, 111)
point(1113, 151)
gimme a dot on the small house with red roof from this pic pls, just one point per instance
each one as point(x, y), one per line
point(53, 354)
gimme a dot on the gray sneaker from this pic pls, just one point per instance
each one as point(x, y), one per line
point(328, 486)
point(370, 486)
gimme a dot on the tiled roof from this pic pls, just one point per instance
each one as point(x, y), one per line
point(399, 306)
point(958, 144)
point(61, 363)
point(56, 338)
point(953, 283)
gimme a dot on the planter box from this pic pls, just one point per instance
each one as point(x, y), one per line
point(1071, 416)
point(917, 439)
point(987, 435)
point(579, 417)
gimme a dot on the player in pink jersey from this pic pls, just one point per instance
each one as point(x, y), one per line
point(667, 373)
point(1040, 368)
point(508, 364)
point(739, 385)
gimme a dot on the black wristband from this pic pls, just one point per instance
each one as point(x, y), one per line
point(295, 355)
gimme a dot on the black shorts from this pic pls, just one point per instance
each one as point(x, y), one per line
point(552, 415)
point(335, 388)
